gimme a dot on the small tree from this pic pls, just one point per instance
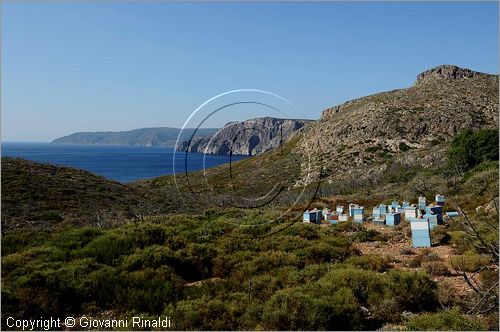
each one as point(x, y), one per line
point(469, 148)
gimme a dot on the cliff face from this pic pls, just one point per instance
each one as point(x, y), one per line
point(250, 137)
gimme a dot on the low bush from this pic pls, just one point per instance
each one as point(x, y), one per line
point(447, 320)
point(107, 247)
point(347, 227)
point(366, 235)
point(407, 252)
point(369, 262)
point(296, 309)
point(440, 236)
point(436, 268)
point(469, 262)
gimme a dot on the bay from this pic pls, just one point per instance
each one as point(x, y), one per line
point(119, 163)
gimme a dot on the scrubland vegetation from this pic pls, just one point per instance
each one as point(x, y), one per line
point(211, 270)
point(192, 269)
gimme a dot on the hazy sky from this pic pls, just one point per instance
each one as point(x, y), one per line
point(96, 66)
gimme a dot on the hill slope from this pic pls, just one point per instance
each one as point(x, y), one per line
point(409, 125)
point(42, 193)
point(365, 137)
point(161, 136)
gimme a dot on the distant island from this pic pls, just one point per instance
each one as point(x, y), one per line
point(248, 137)
point(158, 136)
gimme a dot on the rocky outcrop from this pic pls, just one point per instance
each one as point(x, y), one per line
point(412, 125)
point(250, 137)
point(449, 72)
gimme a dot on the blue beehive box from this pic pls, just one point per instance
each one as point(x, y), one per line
point(333, 219)
point(376, 212)
point(306, 216)
point(420, 234)
point(410, 212)
point(438, 210)
point(405, 204)
point(432, 219)
point(358, 214)
point(383, 209)
point(452, 214)
point(313, 216)
point(351, 209)
point(440, 199)
point(392, 219)
point(421, 203)
point(395, 204)
point(379, 221)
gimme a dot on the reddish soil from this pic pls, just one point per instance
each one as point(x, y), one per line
point(394, 249)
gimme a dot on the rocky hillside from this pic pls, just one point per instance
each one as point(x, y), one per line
point(409, 125)
point(249, 137)
point(359, 141)
point(161, 136)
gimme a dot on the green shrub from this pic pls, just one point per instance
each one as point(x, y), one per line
point(325, 252)
point(303, 230)
point(440, 236)
point(447, 320)
point(311, 272)
point(75, 238)
point(19, 239)
point(415, 262)
point(469, 148)
point(204, 313)
point(299, 309)
point(469, 262)
point(373, 148)
point(369, 262)
point(365, 235)
point(107, 247)
point(403, 147)
point(425, 255)
point(459, 241)
point(347, 227)
point(147, 290)
point(448, 295)
point(414, 291)
point(436, 268)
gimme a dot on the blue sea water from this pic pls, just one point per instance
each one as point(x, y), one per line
point(120, 163)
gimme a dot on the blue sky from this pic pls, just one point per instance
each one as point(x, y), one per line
point(97, 66)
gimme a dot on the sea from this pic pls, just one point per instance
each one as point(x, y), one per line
point(120, 163)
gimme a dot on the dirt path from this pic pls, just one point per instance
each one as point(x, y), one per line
point(397, 250)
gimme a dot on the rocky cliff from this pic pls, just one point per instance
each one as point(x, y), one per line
point(250, 137)
point(411, 125)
